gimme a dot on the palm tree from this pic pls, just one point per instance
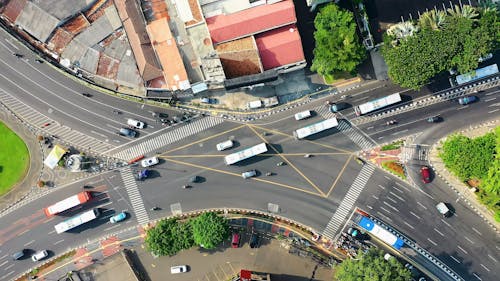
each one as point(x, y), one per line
point(433, 19)
point(466, 11)
point(402, 29)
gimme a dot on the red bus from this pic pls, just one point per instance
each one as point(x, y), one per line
point(68, 203)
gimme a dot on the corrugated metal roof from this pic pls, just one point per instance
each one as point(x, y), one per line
point(251, 21)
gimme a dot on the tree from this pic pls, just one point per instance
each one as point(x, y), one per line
point(209, 230)
point(371, 266)
point(337, 45)
point(168, 237)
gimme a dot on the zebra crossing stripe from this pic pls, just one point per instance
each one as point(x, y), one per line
point(134, 195)
point(167, 138)
point(347, 203)
point(347, 130)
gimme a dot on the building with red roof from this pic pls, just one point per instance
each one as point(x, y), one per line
point(280, 47)
point(251, 21)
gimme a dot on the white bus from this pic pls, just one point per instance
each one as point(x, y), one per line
point(315, 128)
point(77, 220)
point(377, 104)
point(245, 154)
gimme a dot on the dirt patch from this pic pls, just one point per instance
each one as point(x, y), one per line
point(474, 183)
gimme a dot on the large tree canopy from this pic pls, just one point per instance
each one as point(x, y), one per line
point(337, 45)
point(169, 237)
point(209, 230)
point(438, 42)
point(371, 266)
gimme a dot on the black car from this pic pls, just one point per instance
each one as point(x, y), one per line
point(254, 240)
point(195, 179)
point(434, 119)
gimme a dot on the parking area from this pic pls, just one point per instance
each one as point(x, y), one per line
point(224, 262)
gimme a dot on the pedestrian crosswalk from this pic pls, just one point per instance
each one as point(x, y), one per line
point(43, 123)
point(347, 203)
point(346, 128)
point(414, 152)
point(134, 195)
point(166, 138)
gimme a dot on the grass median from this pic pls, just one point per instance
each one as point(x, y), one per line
point(14, 159)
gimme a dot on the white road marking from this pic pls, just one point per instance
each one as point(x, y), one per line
point(462, 249)
point(10, 266)
point(3, 257)
point(381, 186)
point(30, 242)
point(455, 259)
point(60, 241)
point(402, 186)
point(380, 138)
point(487, 269)
point(105, 204)
point(493, 111)
point(111, 227)
point(399, 132)
point(409, 225)
point(440, 233)
point(385, 210)
point(369, 128)
point(397, 196)
point(394, 201)
point(468, 239)
point(52, 232)
point(449, 225)
point(475, 275)
point(490, 99)
point(376, 198)
point(387, 177)
point(488, 256)
point(390, 206)
point(1, 264)
point(432, 242)
point(9, 273)
point(369, 207)
point(463, 107)
point(415, 215)
point(12, 44)
point(477, 231)
point(421, 205)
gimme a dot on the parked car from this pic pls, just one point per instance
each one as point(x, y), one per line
point(151, 161)
point(249, 174)
point(18, 255)
point(209, 100)
point(127, 132)
point(336, 107)
point(467, 100)
point(254, 240)
point(178, 269)
point(40, 255)
point(426, 174)
point(235, 240)
point(136, 124)
point(117, 218)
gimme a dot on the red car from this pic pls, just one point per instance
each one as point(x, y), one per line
point(235, 240)
point(426, 174)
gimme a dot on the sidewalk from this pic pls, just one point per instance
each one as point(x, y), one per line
point(466, 193)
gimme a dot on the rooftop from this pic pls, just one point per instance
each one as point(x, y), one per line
point(280, 47)
point(251, 21)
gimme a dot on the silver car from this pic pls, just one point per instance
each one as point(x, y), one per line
point(249, 174)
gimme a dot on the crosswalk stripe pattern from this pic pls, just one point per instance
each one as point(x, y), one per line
point(346, 128)
point(347, 203)
point(134, 195)
point(167, 138)
point(37, 119)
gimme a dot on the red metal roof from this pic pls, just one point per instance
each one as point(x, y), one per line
point(279, 47)
point(251, 21)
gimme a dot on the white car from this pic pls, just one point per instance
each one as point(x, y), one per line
point(178, 269)
point(40, 255)
point(224, 145)
point(249, 174)
point(151, 161)
point(136, 124)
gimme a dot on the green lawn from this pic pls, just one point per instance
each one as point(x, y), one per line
point(14, 159)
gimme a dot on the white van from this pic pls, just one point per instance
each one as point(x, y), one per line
point(136, 124)
point(303, 115)
point(225, 145)
point(443, 209)
point(178, 269)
